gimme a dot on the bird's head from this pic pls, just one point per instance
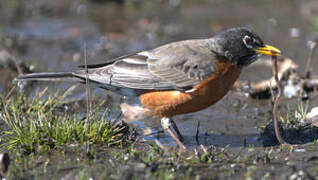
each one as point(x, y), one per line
point(242, 46)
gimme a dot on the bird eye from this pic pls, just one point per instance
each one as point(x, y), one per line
point(248, 41)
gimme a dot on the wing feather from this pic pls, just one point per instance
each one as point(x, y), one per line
point(180, 65)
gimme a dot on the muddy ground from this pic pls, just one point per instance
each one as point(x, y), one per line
point(52, 36)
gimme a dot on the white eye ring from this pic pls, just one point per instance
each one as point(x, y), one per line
point(248, 41)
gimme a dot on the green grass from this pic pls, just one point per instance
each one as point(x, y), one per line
point(295, 116)
point(44, 124)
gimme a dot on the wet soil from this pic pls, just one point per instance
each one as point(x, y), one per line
point(51, 36)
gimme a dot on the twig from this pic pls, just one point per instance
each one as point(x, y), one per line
point(10, 93)
point(309, 60)
point(88, 105)
point(197, 133)
point(277, 100)
point(311, 83)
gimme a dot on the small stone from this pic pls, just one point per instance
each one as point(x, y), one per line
point(76, 57)
point(312, 116)
point(272, 21)
point(294, 32)
point(4, 163)
point(291, 90)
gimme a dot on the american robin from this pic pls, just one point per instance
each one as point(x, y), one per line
point(176, 78)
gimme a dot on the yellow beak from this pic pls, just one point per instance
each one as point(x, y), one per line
point(268, 50)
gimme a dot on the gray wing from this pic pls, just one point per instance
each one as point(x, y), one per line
point(178, 65)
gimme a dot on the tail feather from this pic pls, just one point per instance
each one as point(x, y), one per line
point(48, 76)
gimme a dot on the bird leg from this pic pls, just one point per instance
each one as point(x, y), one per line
point(167, 124)
point(175, 127)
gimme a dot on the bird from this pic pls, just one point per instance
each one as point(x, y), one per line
point(176, 78)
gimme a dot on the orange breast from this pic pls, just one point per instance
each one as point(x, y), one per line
point(205, 94)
